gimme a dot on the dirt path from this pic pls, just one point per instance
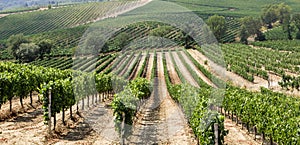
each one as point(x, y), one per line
point(16, 106)
point(199, 73)
point(229, 76)
point(186, 74)
point(171, 70)
point(160, 120)
point(142, 60)
point(120, 63)
point(237, 136)
point(130, 64)
point(150, 66)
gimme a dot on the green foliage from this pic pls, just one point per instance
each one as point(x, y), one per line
point(127, 101)
point(160, 31)
point(279, 33)
point(120, 41)
point(244, 34)
point(231, 8)
point(252, 25)
point(19, 80)
point(290, 82)
point(27, 52)
point(280, 45)
point(247, 61)
point(195, 103)
point(269, 15)
point(276, 12)
point(274, 114)
point(14, 42)
point(45, 47)
point(217, 26)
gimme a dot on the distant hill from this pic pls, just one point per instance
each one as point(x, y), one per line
point(17, 4)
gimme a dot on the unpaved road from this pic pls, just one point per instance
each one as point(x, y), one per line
point(160, 120)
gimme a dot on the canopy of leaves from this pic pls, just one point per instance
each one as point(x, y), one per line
point(217, 25)
point(27, 52)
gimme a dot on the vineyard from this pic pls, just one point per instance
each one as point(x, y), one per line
point(131, 66)
point(149, 82)
point(57, 18)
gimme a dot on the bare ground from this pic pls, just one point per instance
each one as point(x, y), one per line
point(160, 120)
point(130, 63)
point(28, 128)
point(237, 136)
point(16, 107)
point(186, 74)
point(199, 73)
point(227, 75)
point(150, 66)
point(171, 70)
point(143, 59)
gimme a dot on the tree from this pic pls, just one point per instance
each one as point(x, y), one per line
point(45, 47)
point(244, 35)
point(14, 42)
point(284, 16)
point(27, 52)
point(217, 26)
point(283, 12)
point(296, 20)
point(121, 40)
point(269, 15)
point(161, 32)
point(252, 26)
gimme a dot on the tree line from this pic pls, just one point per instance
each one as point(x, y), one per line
point(271, 15)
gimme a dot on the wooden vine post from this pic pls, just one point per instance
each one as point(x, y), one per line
point(49, 114)
point(123, 130)
point(216, 132)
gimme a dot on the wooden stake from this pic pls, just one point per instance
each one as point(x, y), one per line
point(49, 114)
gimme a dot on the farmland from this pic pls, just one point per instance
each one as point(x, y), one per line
point(147, 81)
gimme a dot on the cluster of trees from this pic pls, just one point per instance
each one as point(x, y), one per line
point(281, 13)
point(25, 51)
point(251, 26)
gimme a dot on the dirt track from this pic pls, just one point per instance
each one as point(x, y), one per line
point(199, 73)
point(142, 60)
point(160, 120)
point(227, 75)
point(171, 70)
point(186, 74)
point(150, 66)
